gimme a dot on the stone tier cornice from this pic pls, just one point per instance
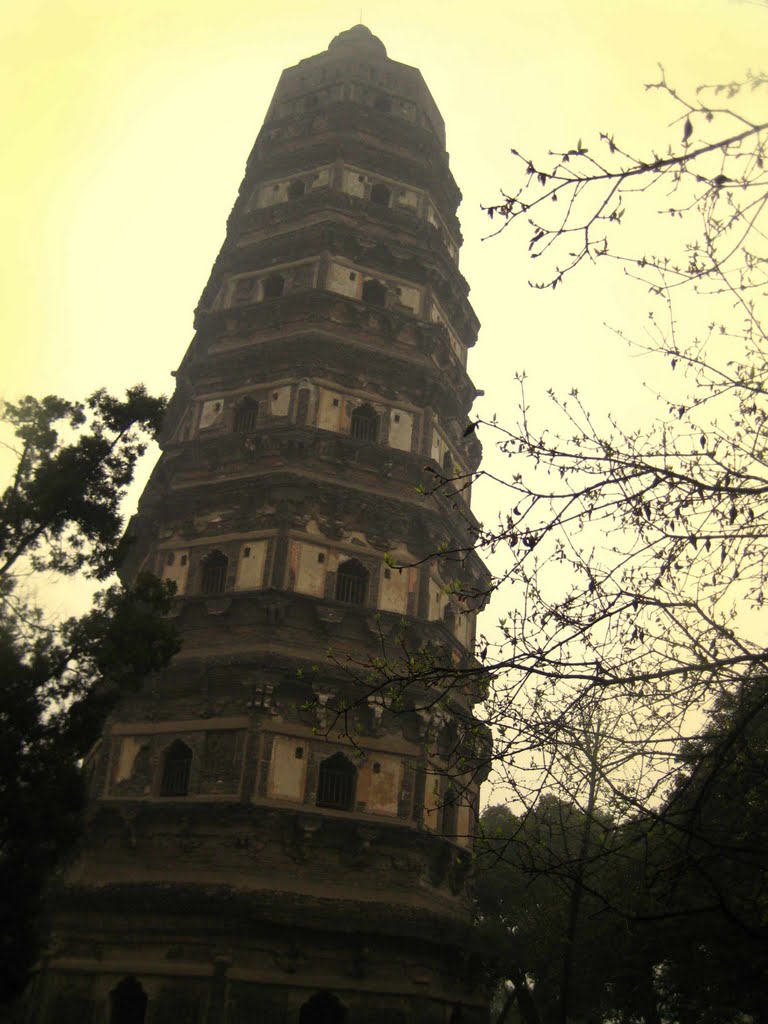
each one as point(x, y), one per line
point(335, 237)
point(349, 321)
point(286, 141)
point(337, 457)
point(272, 224)
point(301, 475)
point(393, 375)
point(460, 680)
point(370, 155)
point(267, 906)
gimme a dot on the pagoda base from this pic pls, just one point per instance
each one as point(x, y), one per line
point(167, 954)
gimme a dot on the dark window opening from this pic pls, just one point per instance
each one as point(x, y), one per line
point(214, 574)
point(128, 1003)
point(449, 813)
point(374, 293)
point(176, 765)
point(302, 407)
point(448, 464)
point(274, 286)
point(170, 558)
point(183, 559)
point(383, 103)
point(323, 1008)
point(449, 617)
point(336, 783)
point(299, 753)
point(351, 582)
point(364, 424)
point(380, 194)
point(247, 417)
point(296, 189)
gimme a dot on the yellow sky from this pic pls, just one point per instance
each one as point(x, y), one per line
point(126, 125)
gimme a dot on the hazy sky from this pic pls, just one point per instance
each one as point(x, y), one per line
point(126, 126)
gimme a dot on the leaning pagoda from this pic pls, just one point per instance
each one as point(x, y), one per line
point(280, 823)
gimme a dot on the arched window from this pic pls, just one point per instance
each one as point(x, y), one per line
point(448, 464)
point(383, 103)
point(449, 813)
point(296, 189)
point(128, 1002)
point(214, 573)
point(374, 293)
point(336, 783)
point(351, 582)
point(302, 406)
point(449, 617)
point(274, 286)
point(380, 194)
point(364, 425)
point(177, 762)
point(247, 416)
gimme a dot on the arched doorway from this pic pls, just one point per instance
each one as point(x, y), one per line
point(214, 572)
point(323, 1008)
point(336, 783)
point(274, 286)
point(177, 762)
point(364, 423)
point(127, 1002)
point(380, 194)
point(374, 293)
point(351, 582)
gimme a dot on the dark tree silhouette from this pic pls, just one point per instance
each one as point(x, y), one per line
point(61, 513)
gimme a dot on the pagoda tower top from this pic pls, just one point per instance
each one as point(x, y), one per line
point(358, 37)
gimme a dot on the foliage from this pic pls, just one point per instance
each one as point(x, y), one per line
point(715, 845)
point(61, 509)
point(529, 869)
point(60, 512)
point(672, 923)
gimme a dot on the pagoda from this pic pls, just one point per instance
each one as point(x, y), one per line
point(281, 823)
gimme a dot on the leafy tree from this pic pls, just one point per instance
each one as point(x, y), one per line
point(672, 916)
point(542, 881)
point(714, 849)
point(61, 513)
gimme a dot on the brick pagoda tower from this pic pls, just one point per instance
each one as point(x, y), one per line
point(273, 837)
